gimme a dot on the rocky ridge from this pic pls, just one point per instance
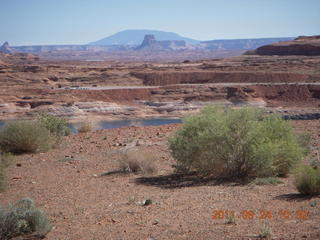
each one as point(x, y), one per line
point(307, 46)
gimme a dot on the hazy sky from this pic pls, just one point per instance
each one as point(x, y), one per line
point(25, 22)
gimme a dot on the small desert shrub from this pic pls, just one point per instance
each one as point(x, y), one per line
point(3, 179)
point(265, 231)
point(236, 143)
point(85, 126)
point(307, 180)
point(5, 161)
point(22, 218)
point(266, 181)
point(137, 161)
point(56, 125)
point(24, 137)
point(231, 219)
point(304, 140)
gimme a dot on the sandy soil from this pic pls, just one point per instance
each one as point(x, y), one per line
point(66, 183)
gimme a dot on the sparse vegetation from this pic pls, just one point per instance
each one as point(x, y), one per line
point(236, 143)
point(22, 218)
point(266, 181)
point(137, 161)
point(25, 137)
point(307, 180)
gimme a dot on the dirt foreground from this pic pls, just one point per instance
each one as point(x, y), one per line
point(83, 205)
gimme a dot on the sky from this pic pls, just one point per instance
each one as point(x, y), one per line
point(32, 22)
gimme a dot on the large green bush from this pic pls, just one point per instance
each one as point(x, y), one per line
point(23, 218)
point(28, 136)
point(236, 143)
point(56, 125)
point(307, 180)
point(24, 137)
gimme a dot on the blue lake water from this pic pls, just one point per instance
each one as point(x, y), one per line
point(124, 123)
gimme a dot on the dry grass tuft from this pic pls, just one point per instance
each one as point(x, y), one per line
point(137, 161)
point(85, 126)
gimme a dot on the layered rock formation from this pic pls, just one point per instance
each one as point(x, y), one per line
point(2, 62)
point(158, 78)
point(307, 46)
point(140, 89)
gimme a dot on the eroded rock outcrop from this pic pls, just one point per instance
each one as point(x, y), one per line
point(150, 43)
point(5, 48)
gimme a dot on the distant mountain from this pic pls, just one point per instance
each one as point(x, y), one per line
point(240, 44)
point(135, 37)
point(147, 40)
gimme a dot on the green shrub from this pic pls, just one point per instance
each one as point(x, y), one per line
point(307, 180)
point(3, 177)
point(56, 125)
point(235, 143)
point(24, 137)
point(5, 160)
point(23, 218)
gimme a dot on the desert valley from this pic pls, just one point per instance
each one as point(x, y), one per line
point(78, 184)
